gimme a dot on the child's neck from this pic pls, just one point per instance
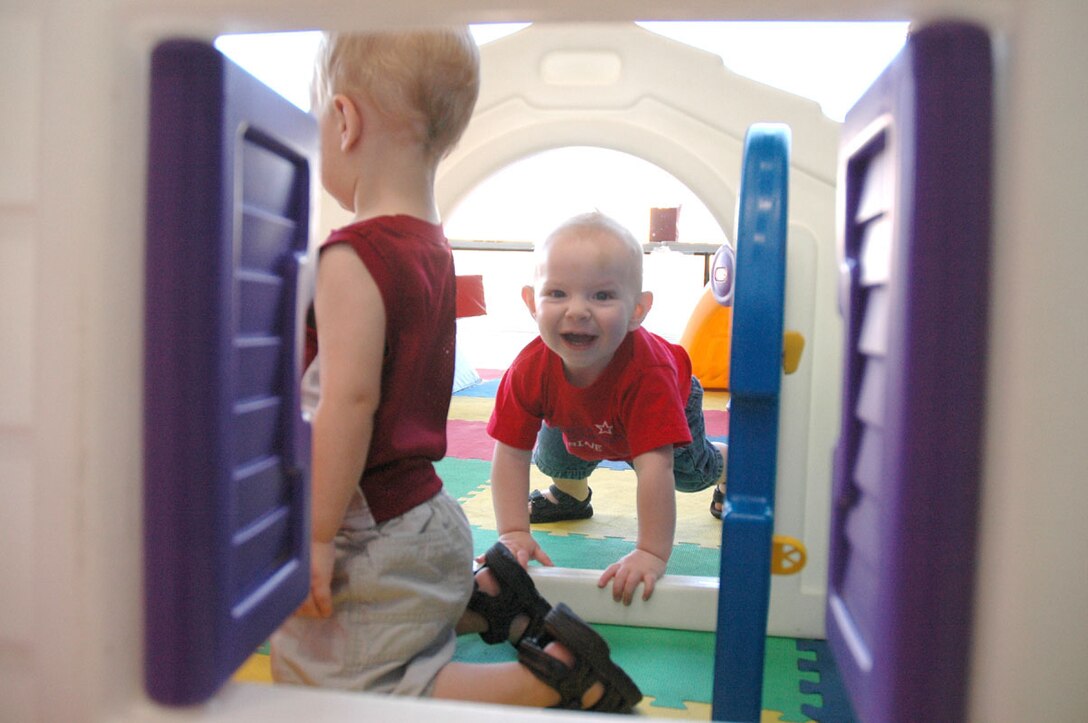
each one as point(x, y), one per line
point(582, 378)
point(396, 180)
point(424, 209)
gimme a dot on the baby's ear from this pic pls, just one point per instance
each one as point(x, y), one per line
point(643, 302)
point(528, 295)
point(349, 121)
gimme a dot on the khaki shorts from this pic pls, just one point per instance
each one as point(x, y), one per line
point(399, 589)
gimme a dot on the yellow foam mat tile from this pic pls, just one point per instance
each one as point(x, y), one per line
point(694, 711)
point(697, 711)
point(256, 669)
point(715, 400)
point(691, 711)
point(614, 510)
point(472, 409)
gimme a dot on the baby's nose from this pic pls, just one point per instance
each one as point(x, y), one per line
point(577, 307)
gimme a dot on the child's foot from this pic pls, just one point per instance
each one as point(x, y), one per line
point(556, 506)
point(517, 597)
point(718, 500)
point(592, 665)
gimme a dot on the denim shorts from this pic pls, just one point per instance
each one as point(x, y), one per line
point(696, 466)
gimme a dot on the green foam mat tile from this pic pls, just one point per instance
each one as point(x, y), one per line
point(462, 477)
point(676, 667)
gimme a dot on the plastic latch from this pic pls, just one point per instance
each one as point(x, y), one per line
point(788, 555)
point(793, 343)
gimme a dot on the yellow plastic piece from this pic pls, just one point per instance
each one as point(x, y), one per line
point(793, 343)
point(788, 555)
point(707, 340)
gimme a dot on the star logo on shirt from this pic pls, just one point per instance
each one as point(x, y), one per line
point(603, 428)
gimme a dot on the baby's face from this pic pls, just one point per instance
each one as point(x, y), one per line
point(586, 299)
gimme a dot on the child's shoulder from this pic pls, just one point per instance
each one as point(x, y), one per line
point(650, 351)
point(648, 346)
point(397, 225)
point(532, 358)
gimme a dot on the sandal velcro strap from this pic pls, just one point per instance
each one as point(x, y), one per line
point(565, 507)
point(517, 596)
point(593, 664)
point(496, 611)
point(570, 683)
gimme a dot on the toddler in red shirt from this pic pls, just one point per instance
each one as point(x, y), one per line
point(604, 389)
point(391, 578)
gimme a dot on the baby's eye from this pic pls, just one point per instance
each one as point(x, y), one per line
point(554, 293)
point(603, 296)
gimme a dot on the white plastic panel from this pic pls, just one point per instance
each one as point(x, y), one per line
point(621, 87)
point(20, 84)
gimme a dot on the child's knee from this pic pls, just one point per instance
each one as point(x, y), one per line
point(691, 484)
point(723, 450)
point(699, 466)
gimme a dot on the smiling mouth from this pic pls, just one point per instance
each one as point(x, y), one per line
point(579, 340)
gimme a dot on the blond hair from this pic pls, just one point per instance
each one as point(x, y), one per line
point(427, 80)
point(597, 222)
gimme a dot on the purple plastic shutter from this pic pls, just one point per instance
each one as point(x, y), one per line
point(226, 451)
point(914, 247)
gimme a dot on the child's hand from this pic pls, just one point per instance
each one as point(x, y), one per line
point(633, 568)
point(525, 548)
point(318, 603)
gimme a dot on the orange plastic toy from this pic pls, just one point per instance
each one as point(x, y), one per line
point(707, 339)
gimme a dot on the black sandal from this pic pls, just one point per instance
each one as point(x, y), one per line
point(592, 664)
point(565, 507)
point(517, 596)
point(719, 500)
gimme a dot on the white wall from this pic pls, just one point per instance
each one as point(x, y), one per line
point(1031, 647)
point(73, 77)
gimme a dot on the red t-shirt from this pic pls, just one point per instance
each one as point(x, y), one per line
point(411, 262)
point(636, 405)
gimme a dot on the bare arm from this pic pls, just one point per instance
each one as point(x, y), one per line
point(351, 339)
point(656, 502)
point(656, 528)
point(510, 496)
